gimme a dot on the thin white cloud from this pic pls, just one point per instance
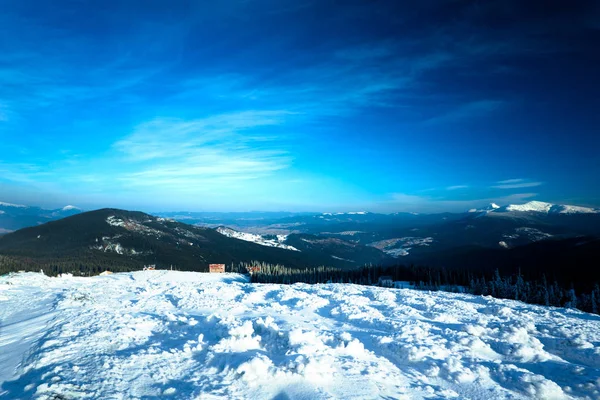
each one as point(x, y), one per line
point(457, 187)
point(203, 154)
point(510, 181)
point(517, 185)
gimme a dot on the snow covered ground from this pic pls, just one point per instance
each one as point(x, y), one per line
point(189, 335)
point(276, 241)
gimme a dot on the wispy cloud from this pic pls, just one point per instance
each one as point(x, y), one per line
point(515, 184)
point(457, 187)
point(510, 181)
point(203, 154)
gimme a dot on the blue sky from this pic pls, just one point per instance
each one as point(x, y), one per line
point(307, 106)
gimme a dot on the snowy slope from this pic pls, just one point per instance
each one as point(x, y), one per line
point(190, 335)
point(491, 207)
point(543, 207)
point(537, 206)
point(277, 241)
point(566, 209)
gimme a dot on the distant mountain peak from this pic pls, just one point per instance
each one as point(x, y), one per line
point(490, 207)
point(538, 206)
point(347, 213)
point(549, 208)
point(69, 207)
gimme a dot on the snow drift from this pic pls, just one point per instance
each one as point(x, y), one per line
point(191, 335)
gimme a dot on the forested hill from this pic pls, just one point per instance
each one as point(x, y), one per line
point(124, 240)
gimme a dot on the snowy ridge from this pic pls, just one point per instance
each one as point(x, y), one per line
point(68, 208)
point(543, 207)
point(277, 241)
point(576, 210)
point(537, 206)
point(191, 335)
point(491, 207)
point(2, 204)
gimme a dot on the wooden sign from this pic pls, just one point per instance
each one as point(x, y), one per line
point(216, 268)
point(252, 270)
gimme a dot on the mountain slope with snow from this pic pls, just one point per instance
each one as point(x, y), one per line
point(263, 240)
point(189, 335)
point(543, 207)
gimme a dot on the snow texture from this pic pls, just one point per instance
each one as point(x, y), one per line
point(540, 206)
point(188, 335)
point(278, 241)
point(400, 247)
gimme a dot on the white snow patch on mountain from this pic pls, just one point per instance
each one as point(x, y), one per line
point(191, 335)
point(277, 241)
point(2, 204)
point(68, 208)
point(347, 213)
point(399, 247)
point(537, 206)
point(543, 207)
point(576, 210)
point(532, 234)
point(489, 208)
point(342, 259)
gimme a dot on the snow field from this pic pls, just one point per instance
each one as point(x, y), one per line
point(190, 335)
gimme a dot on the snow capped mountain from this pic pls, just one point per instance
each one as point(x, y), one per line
point(347, 213)
point(575, 210)
point(17, 216)
point(263, 240)
point(536, 206)
point(543, 207)
point(490, 207)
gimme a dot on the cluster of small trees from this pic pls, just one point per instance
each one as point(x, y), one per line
point(76, 265)
point(501, 285)
point(536, 292)
point(514, 286)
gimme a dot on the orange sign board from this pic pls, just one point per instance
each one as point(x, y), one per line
point(252, 270)
point(216, 268)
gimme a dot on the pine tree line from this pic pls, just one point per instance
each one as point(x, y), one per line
point(514, 287)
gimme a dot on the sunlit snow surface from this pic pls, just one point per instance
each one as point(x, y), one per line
point(190, 335)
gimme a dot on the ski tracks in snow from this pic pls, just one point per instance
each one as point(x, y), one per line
point(189, 335)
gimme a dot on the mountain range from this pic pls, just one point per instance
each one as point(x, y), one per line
point(191, 240)
point(130, 240)
point(17, 216)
